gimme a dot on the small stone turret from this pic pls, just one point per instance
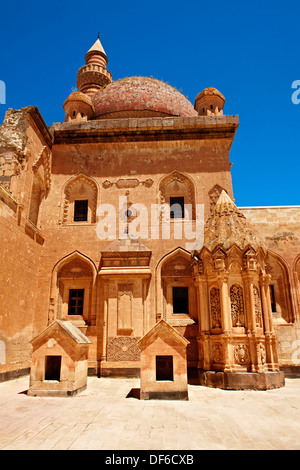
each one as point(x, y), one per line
point(78, 107)
point(209, 101)
point(94, 74)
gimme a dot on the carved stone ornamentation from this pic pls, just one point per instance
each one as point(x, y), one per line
point(177, 184)
point(237, 305)
point(215, 307)
point(257, 306)
point(262, 350)
point(80, 182)
point(218, 357)
point(122, 349)
point(214, 195)
point(241, 354)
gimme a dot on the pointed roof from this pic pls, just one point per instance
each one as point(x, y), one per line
point(97, 47)
point(161, 329)
point(227, 226)
point(72, 330)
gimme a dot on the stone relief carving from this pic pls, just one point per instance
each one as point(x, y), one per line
point(257, 306)
point(241, 354)
point(80, 180)
point(237, 306)
point(127, 183)
point(173, 183)
point(262, 351)
point(123, 349)
point(214, 195)
point(218, 353)
point(215, 307)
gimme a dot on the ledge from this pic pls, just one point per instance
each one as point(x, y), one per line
point(137, 129)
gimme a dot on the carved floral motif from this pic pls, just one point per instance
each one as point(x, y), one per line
point(215, 307)
point(237, 305)
point(241, 353)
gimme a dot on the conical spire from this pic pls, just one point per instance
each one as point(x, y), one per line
point(228, 226)
point(97, 46)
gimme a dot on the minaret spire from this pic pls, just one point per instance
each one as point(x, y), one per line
point(94, 75)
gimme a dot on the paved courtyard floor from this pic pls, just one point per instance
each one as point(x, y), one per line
point(104, 417)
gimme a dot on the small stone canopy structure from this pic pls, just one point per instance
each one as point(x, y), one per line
point(163, 364)
point(59, 360)
point(237, 342)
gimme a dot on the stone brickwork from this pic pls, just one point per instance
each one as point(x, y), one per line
point(145, 144)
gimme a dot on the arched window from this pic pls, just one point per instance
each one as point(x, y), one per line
point(177, 193)
point(75, 279)
point(80, 201)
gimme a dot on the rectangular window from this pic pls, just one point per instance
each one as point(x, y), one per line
point(164, 368)
point(272, 297)
point(81, 210)
point(52, 367)
point(176, 207)
point(76, 301)
point(180, 300)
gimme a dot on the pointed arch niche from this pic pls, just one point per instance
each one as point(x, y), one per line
point(280, 291)
point(73, 290)
point(177, 186)
point(176, 294)
point(80, 201)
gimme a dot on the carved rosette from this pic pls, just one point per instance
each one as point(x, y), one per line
point(241, 354)
point(215, 307)
point(122, 349)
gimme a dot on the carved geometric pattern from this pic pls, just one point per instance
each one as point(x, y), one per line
point(214, 195)
point(215, 307)
point(241, 353)
point(122, 349)
point(237, 305)
point(257, 306)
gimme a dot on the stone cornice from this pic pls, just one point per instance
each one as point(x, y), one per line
point(148, 129)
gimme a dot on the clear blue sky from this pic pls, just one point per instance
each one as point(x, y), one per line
point(248, 50)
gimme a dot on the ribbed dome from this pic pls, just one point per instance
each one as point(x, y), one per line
point(140, 97)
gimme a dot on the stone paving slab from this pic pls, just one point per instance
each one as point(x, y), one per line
point(103, 417)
